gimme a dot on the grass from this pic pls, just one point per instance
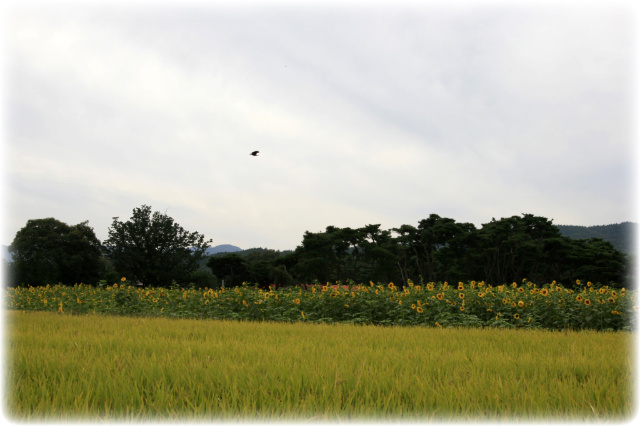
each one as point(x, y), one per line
point(101, 367)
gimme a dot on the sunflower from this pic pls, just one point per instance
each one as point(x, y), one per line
point(517, 316)
point(481, 294)
point(579, 298)
point(430, 286)
point(521, 290)
point(461, 295)
point(413, 306)
point(460, 286)
point(521, 303)
point(420, 310)
point(612, 300)
point(587, 302)
point(544, 292)
point(440, 296)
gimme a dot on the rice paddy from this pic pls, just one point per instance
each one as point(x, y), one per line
point(371, 352)
point(100, 368)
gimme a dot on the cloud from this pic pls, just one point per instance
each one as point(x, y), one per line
point(361, 115)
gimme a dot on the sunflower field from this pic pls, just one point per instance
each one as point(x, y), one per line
point(472, 304)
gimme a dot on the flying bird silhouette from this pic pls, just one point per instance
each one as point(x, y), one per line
point(255, 153)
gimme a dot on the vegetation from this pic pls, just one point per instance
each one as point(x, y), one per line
point(106, 368)
point(153, 249)
point(621, 235)
point(441, 249)
point(472, 304)
point(47, 250)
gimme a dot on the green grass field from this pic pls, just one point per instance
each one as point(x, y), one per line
point(101, 368)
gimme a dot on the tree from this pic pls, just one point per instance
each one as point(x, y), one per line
point(48, 251)
point(231, 267)
point(594, 260)
point(153, 249)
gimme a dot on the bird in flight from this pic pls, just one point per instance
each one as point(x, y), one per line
point(255, 153)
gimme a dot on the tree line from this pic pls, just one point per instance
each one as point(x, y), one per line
point(151, 249)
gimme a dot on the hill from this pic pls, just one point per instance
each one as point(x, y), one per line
point(621, 235)
point(222, 248)
point(5, 253)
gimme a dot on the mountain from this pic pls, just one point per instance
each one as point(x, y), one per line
point(5, 253)
point(222, 248)
point(621, 235)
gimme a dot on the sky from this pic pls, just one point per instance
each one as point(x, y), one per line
point(363, 113)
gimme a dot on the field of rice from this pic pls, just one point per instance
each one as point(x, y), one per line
point(97, 367)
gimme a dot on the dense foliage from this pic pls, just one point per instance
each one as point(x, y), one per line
point(621, 235)
point(471, 304)
point(152, 248)
point(48, 250)
point(439, 249)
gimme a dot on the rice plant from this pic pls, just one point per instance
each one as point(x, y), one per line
point(104, 367)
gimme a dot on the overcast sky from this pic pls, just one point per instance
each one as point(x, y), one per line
point(362, 114)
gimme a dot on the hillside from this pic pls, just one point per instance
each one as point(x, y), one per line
point(621, 235)
point(222, 248)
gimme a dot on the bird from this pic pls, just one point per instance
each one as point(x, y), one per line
point(255, 153)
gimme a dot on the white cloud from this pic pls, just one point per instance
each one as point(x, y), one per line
point(361, 115)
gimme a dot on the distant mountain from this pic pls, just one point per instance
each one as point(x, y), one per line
point(222, 248)
point(5, 253)
point(621, 235)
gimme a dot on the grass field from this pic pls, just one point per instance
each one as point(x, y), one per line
point(100, 368)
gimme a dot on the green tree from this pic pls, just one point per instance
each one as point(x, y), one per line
point(231, 268)
point(48, 251)
point(595, 260)
point(516, 247)
point(153, 249)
